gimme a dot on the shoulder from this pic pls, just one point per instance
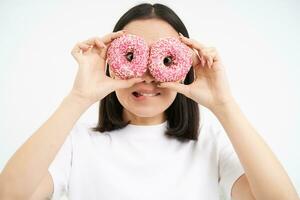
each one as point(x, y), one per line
point(210, 127)
point(82, 128)
point(82, 133)
point(212, 131)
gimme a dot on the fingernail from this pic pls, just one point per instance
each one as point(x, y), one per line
point(203, 62)
point(180, 34)
point(201, 59)
point(103, 46)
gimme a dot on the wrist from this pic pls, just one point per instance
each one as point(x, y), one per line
point(225, 107)
point(78, 100)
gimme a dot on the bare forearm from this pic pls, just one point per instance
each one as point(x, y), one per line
point(266, 176)
point(30, 162)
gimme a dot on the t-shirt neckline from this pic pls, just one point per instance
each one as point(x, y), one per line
point(146, 131)
point(147, 126)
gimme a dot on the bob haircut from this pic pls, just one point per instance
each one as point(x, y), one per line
point(183, 114)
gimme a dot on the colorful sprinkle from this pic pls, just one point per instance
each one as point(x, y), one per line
point(160, 54)
point(117, 56)
point(168, 59)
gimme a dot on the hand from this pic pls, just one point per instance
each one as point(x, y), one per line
point(91, 83)
point(210, 87)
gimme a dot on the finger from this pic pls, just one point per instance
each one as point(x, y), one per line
point(78, 48)
point(195, 45)
point(111, 36)
point(121, 83)
point(75, 51)
point(84, 46)
point(103, 48)
point(178, 87)
point(210, 61)
point(103, 53)
point(205, 58)
point(192, 43)
point(105, 39)
point(91, 41)
point(214, 53)
point(195, 57)
point(99, 43)
point(200, 59)
point(212, 56)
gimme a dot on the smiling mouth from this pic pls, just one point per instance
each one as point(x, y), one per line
point(138, 94)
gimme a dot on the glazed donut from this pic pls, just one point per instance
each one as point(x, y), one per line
point(169, 60)
point(128, 56)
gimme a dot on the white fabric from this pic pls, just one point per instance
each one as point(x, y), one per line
point(140, 162)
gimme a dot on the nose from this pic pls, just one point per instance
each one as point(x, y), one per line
point(148, 78)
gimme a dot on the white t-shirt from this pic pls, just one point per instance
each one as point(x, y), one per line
point(140, 162)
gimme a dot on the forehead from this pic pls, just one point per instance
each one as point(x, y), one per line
point(151, 29)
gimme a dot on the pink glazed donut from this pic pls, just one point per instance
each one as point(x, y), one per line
point(128, 56)
point(170, 59)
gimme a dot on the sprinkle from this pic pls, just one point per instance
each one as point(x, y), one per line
point(181, 59)
point(116, 56)
point(152, 58)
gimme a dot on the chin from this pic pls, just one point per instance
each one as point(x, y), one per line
point(146, 107)
point(145, 112)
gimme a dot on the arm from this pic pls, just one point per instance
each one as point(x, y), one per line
point(27, 167)
point(265, 175)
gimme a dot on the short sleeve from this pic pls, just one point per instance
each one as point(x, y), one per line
point(229, 166)
point(60, 168)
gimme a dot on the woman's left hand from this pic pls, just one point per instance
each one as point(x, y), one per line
point(210, 87)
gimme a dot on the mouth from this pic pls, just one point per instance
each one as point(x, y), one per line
point(141, 94)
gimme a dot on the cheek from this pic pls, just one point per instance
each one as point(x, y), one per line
point(123, 97)
point(168, 97)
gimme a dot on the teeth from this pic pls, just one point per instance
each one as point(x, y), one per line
point(148, 95)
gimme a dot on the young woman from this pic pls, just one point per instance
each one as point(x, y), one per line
point(156, 147)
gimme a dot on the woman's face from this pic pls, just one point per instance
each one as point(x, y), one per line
point(150, 107)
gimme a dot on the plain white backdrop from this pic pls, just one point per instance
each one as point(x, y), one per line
point(257, 40)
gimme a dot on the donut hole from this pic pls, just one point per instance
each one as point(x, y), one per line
point(168, 60)
point(129, 56)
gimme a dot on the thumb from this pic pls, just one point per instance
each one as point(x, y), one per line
point(121, 83)
point(178, 87)
point(103, 51)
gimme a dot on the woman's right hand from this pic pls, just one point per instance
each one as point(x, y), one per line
point(91, 83)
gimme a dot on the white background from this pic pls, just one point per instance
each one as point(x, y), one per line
point(257, 40)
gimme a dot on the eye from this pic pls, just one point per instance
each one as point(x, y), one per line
point(129, 56)
point(168, 60)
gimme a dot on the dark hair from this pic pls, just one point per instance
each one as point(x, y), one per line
point(183, 114)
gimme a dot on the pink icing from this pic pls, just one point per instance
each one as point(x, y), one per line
point(181, 59)
point(144, 57)
point(116, 56)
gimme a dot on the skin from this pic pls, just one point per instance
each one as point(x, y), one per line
point(151, 110)
point(25, 176)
